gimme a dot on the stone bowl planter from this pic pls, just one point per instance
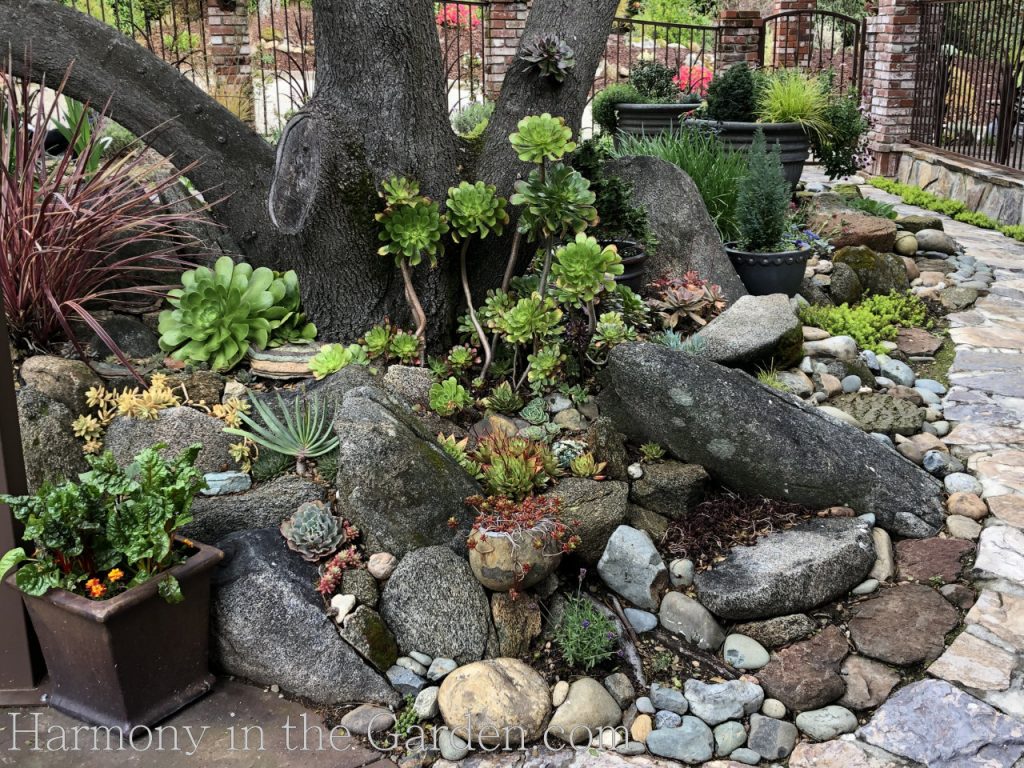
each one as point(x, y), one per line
point(791, 138)
point(506, 561)
point(132, 660)
point(651, 119)
point(766, 273)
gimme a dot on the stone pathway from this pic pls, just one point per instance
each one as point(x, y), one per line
point(969, 710)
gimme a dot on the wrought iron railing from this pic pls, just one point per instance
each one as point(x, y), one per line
point(815, 41)
point(969, 88)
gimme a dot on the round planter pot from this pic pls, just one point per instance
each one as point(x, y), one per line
point(767, 273)
point(791, 138)
point(634, 257)
point(498, 559)
point(651, 119)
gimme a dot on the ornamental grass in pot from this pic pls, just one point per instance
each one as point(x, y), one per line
point(119, 602)
point(770, 254)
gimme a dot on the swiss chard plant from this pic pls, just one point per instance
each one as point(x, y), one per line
point(111, 530)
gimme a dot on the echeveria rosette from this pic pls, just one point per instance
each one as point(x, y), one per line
point(475, 209)
point(288, 324)
point(559, 201)
point(612, 330)
point(532, 317)
point(333, 357)
point(582, 269)
point(550, 56)
point(542, 137)
point(218, 314)
point(313, 531)
point(411, 232)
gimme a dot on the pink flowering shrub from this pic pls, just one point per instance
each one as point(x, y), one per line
point(454, 16)
point(694, 79)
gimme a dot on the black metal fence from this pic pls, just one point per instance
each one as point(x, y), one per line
point(969, 92)
point(815, 41)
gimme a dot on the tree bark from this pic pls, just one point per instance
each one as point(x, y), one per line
point(379, 109)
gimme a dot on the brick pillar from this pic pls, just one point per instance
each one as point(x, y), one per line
point(227, 25)
point(507, 20)
point(893, 39)
point(739, 39)
point(794, 35)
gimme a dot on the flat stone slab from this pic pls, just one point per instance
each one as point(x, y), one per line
point(975, 663)
point(917, 341)
point(789, 571)
point(881, 413)
point(940, 726)
point(752, 330)
point(1007, 383)
point(927, 559)
point(806, 675)
point(1001, 553)
point(904, 625)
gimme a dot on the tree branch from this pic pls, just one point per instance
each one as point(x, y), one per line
point(149, 97)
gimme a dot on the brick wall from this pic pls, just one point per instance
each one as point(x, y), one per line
point(893, 39)
point(794, 35)
point(507, 20)
point(739, 38)
point(227, 29)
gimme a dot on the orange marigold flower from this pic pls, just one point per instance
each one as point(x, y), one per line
point(187, 542)
point(115, 575)
point(97, 590)
point(91, 583)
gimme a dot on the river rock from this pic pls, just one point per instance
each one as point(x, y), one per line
point(789, 571)
point(758, 441)
point(827, 723)
point(687, 237)
point(779, 631)
point(587, 708)
point(435, 606)
point(715, 703)
point(632, 567)
point(685, 616)
point(935, 240)
point(262, 586)
point(743, 652)
point(493, 699)
point(754, 330)
point(692, 742)
point(394, 482)
point(772, 739)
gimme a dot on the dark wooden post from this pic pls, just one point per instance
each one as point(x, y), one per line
point(21, 667)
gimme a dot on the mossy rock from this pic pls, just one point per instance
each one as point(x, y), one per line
point(918, 221)
point(847, 191)
point(878, 273)
point(366, 631)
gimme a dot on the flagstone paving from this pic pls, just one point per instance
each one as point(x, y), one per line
point(981, 721)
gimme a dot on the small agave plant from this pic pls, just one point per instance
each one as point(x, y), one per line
point(315, 532)
point(303, 432)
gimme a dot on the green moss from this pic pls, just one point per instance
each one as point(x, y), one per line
point(874, 320)
point(939, 369)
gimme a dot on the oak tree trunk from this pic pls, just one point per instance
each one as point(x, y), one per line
point(379, 109)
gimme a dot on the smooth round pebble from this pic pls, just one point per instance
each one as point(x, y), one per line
point(941, 427)
point(644, 706)
point(773, 708)
point(865, 587)
point(745, 756)
point(851, 384)
point(452, 747)
point(559, 692)
point(665, 719)
point(729, 736)
point(744, 652)
point(963, 527)
point(961, 482)
point(827, 723)
point(641, 621)
point(681, 572)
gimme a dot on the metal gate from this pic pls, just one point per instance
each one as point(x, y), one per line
point(969, 91)
point(815, 41)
